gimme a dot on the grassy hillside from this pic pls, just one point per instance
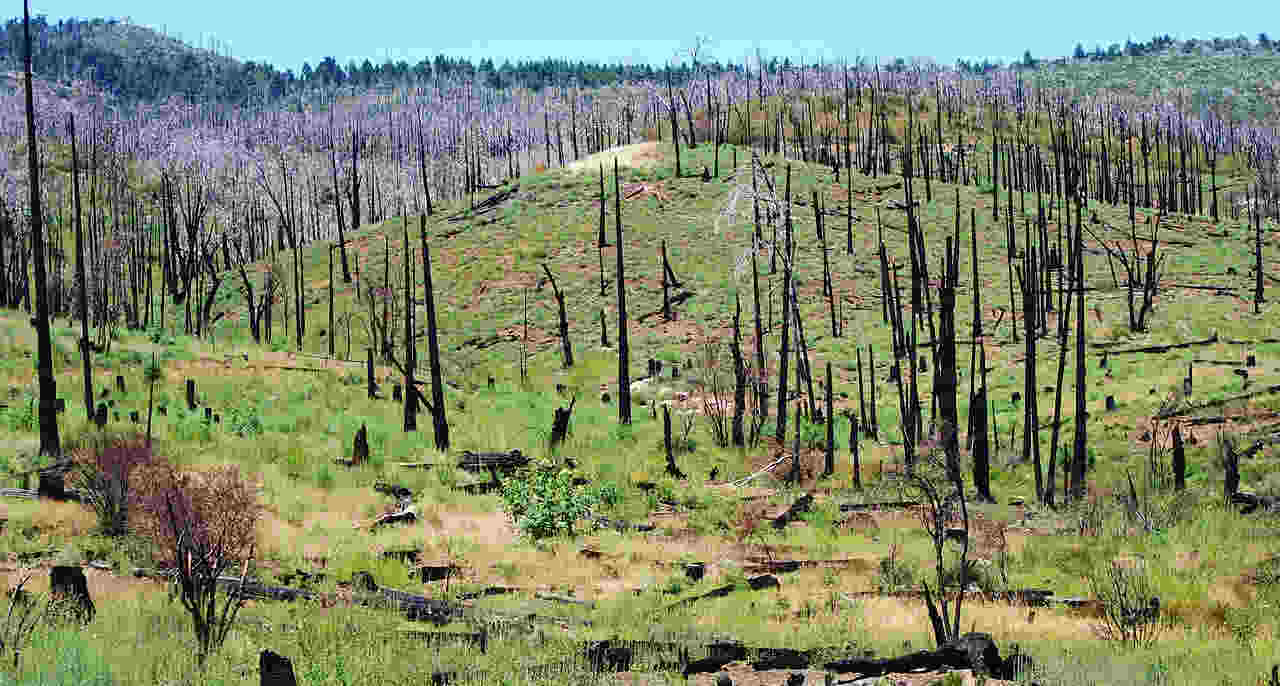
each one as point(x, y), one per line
point(286, 415)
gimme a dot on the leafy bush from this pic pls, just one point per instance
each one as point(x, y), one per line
point(896, 573)
point(543, 501)
point(22, 415)
point(244, 422)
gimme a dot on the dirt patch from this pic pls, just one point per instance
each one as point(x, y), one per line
point(636, 155)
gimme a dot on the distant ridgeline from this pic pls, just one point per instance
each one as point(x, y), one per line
point(135, 63)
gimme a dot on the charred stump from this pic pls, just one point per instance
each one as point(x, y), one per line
point(68, 585)
point(275, 670)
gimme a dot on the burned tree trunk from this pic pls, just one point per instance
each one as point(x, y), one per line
point(624, 382)
point(1179, 461)
point(565, 345)
point(410, 348)
point(439, 422)
point(784, 351)
point(83, 299)
point(560, 424)
point(830, 467)
point(672, 469)
point(738, 435)
point(49, 443)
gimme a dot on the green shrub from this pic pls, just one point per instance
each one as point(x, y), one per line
point(896, 573)
point(244, 422)
point(543, 502)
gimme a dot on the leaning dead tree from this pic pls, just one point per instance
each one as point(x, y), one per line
point(565, 344)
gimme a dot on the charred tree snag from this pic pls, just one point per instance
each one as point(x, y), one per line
point(946, 377)
point(275, 670)
point(675, 128)
point(565, 344)
point(624, 383)
point(560, 423)
point(1179, 461)
point(738, 436)
point(371, 385)
point(49, 442)
point(83, 291)
point(784, 351)
point(672, 469)
point(410, 349)
point(68, 585)
point(1079, 456)
point(439, 421)
point(1256, 214)
point(360, 446)
point(604, 333)
point(830, 467)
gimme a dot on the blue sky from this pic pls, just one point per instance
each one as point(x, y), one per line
point(285, 33)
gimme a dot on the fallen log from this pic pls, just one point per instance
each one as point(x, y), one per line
point(888, 505)
point(408, 514)
point(1159, 348)
point(1250, 503)
point(784, 566)
point(477, 462)
point(755, 583)
point(479, 639)
point(18, 493)
point(556, 598)
point(974, 651)
point(1218, 403)
point(800, 506)
point(415, 465)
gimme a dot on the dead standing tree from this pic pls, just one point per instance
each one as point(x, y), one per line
point(49, 442)
point(1142, 274)
point(624, 382)
point(565, 343)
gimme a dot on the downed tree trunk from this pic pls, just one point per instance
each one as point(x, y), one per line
point(408, 514)
point(801, 505)
point(556, 598)
point(1250, 503)
point(974, 651)
point(755, 583)
point(477, 462)
point(889, 505)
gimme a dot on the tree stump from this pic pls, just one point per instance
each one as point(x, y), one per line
point(133, 416)
point(208, 415)
point(191, 394)
point(68, 585)
point(120, 383)
point(360, 447)
point(1111, 403)
point(100, 417)
point(60, 405)
point(275, 670)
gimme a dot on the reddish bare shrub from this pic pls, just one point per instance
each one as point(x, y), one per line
point(202, 525)
point(104, 470)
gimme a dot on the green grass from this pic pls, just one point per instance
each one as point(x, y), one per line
point(285, 427)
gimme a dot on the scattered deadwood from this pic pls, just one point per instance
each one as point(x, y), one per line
point(487, 205)
point(755, 583)
point(1218, 403)
point(677, 299)
point(1250, 503)
point(556, 598)
point(415, 465)
point(479, 462)
point(1217, 290)
point(479, 639)
point(785, 566)
point(482, 342)
point(18, 493)
point(488, 591)
point(1161, 348)
point(800, 506)
point(408, 514)
point(974, 651)
point(888, 505)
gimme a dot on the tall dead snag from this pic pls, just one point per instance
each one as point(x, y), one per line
point(761, 381)
point(1063, 332)
point(83, 295)
point(337, 202)
point(675, 122)
point(981, 448)
point(1027, 280)
point(945, 376)
point(601, 242)
point(1256, 215)
point(1142, 274)
point(830, 467)
point(784, 352)
point(410, 348)
point(669, 281)
point(1230, 458)
point(439, 423)
point(565, 344)
point(49, 443)
point(737, 434)
point(1078, 455)
point(624, 381)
